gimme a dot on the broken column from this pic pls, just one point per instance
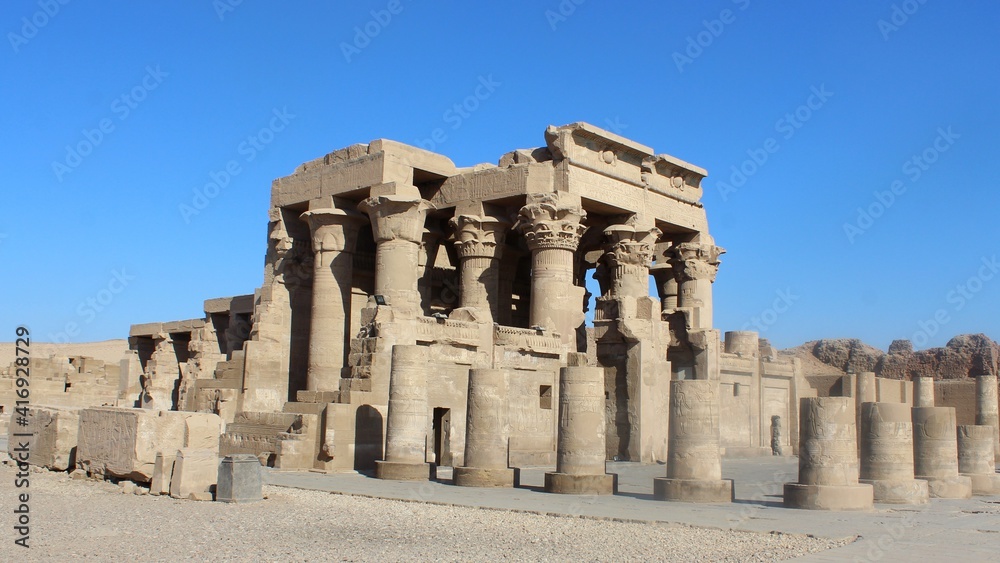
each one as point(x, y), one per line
point(580, 446)
point(487, 431)
point(865, 392)
point(828, 458)
point(986, 408)
point(935, 452)
point(407, 419)
point(397, 226)
point(976, 458)
point(552, 226)
point(479, 241)
point(334, 234)
point(694, 464)
point(923, 391)
point(887, 454)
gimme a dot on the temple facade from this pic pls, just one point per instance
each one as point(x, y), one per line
point(385, 245)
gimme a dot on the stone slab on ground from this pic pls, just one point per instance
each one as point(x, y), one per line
point(53, 439)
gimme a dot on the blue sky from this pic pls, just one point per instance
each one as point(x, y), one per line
point(850, 146)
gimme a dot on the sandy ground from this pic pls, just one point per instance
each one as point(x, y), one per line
point(110, 351)
point(78, 519)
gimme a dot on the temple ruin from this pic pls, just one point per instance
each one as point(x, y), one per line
point(383, 245)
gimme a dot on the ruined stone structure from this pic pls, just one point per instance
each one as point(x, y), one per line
point(382, 245)
point(935, 452)
point(887, 454)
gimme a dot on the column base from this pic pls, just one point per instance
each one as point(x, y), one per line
point(902, 491)
point(985, 485)
point(829, 497)
point(957, 486)
point(564, 483)
point(396, 471)
point(693, 490)
point(479, 477)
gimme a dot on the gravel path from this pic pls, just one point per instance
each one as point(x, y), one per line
point(77, 519)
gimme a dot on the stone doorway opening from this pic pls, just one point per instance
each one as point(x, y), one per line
point(441, 429)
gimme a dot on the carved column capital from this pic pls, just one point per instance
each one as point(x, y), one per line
point(396, 217)
point(333, 229)
point(695, 261)
point(547, 222)
point(479, 237)
point(628, 246)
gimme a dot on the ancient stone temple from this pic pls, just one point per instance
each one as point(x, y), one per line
point(383, 245)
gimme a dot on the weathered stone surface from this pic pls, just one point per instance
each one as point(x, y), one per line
point(163, 471)
point(123, 443)
point(935, 452)
point(581, 450)
point(828, 458)
point(240, 479)
point(887, 454)
point(847, 354)
point(195, 474)
point(54, 437)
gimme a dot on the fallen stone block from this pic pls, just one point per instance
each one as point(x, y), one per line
point(163, 470)
point(196, 472)
point(123, 443)
point(53, 439)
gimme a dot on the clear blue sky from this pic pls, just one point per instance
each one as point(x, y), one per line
point(94, 237)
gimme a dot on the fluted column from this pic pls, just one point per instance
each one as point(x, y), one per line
point(695, 266)
point(479, 242)
point(334, 234)
point(397, 226)
point(552, 226)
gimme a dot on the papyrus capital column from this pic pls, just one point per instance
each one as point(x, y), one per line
point(334, 235)
point(695, 266)
point(479, 242)
point(628, 257)
point(397, 227)
point(552, 225)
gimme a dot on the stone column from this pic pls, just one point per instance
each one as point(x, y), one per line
point(628, 256)
point(887, 454)
point(407, 419)
point(666, 285)
point(935, 452)
point(865, 392)
point(828, 458)
point(580, 447)
point(334, 234)
point(695, 266)
point(479, 241)
point(986, 408)
point(552, 226)
point(487, 431)
point(694, 465)
point(976, 458)
point(923, 391)
point(397, 226)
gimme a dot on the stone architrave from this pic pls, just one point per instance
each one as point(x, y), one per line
point(923, 391)
point(479, 242)
point(695, 266)
point(987, 410)
point(334, 235)
point(407, 419)
point(580, 444)
point(398, 227)
point(487, 431)
point(828, 458)
point(935, 452)
point(694, 465)
point(552, 225)
point(887, 454)
point(976, 458)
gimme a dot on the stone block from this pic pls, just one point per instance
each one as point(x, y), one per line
point(196, 472)
point(123, 443)
point(53, 440)
point(163, 470)
point(240, 479)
